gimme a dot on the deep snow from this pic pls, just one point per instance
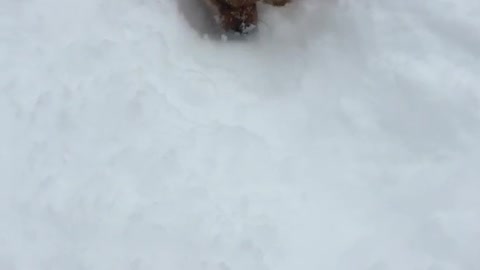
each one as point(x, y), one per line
point(343, 136)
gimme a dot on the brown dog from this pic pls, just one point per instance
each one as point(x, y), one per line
point(239, 16)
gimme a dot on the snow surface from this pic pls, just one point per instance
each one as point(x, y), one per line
point(344, 135)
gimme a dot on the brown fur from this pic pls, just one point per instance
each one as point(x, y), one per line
point(239, 15)
point(240, 3)
point(276, 2)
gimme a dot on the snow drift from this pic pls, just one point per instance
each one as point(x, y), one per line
point(344, 135)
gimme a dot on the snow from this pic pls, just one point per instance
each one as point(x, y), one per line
point(343, 135)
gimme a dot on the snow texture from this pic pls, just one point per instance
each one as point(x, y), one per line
point(343, 135)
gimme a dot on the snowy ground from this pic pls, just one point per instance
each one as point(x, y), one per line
point(344, 136)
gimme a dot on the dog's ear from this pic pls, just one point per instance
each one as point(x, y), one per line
point(276, 2)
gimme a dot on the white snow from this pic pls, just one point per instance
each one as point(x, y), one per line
point(344, 135)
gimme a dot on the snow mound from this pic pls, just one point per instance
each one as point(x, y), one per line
point(343, 135)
